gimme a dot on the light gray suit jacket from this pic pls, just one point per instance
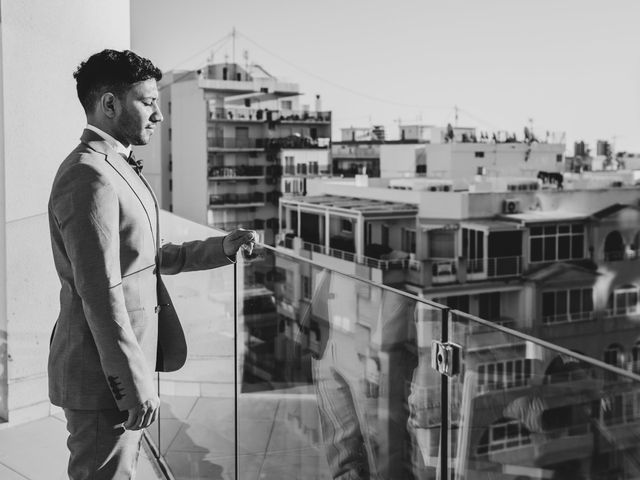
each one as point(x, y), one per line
point(103, 223)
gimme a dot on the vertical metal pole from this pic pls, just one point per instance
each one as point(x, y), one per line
point(444, 405)
point(158, 420)
point(235, 365)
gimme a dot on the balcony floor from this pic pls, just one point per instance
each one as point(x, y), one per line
point(197, 438)
point(38, 451)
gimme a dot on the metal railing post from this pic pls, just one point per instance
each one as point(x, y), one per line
point(444, 404)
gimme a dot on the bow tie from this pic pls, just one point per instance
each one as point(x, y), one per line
point(135, 164)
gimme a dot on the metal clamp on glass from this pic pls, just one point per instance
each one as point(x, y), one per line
point(445, 358)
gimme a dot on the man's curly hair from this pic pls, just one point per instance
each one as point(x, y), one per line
point(111, 71)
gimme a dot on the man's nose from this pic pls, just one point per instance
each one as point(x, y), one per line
point(156, 116)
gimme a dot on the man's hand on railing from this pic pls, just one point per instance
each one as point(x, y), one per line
point(237, 239)
point(143, 415)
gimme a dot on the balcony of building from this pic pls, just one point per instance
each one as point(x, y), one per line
point(235, 144)
point(236, 173)
point(351, 230)
point(258, 115)
point(295, 141)
point(237, 200)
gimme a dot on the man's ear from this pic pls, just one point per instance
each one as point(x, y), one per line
point(108, 104)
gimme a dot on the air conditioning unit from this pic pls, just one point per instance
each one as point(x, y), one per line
point(511, 205)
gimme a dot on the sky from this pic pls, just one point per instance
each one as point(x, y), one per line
point(562, 66)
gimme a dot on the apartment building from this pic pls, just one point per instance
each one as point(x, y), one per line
point(445, 152)
point(558, 263)
point(234, 139)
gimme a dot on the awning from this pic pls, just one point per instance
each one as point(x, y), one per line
point(555, 216)
point(491, 225)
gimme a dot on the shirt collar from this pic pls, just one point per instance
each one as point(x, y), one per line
point(118, 147)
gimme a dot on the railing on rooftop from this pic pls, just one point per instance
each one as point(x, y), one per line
point(244, 114)
point(298, 371)
point(236, 198)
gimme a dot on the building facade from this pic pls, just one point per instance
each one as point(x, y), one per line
point(233, 140)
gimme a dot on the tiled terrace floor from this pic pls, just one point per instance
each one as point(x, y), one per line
point(276, 438)
point(37, 451)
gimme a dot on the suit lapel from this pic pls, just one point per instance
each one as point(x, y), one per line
point(124, 170)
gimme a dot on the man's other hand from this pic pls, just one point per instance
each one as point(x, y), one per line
point(143, 415)
point(239, 238)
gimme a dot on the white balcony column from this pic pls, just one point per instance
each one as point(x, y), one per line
point(280, 213)
point(327, 230)
point(359, 240)
point(299, 221)
point(485, 252)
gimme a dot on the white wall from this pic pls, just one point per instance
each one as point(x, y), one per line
point(189, 151)
point(41, 121)
point(459, 160)
point(398, 160)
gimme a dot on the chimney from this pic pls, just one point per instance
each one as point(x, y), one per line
point(318, 104)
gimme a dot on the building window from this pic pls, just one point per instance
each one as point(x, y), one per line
point(558, 157)
point(473, 249)
point(306, 286)
point(624, 301)
point(287, 104)
point(556, 242)
point(479, 154)
point(441, 244)
point(489, 305)
point(455, 302)
point(503, 435)
point(573, 305)
point(313, 168)
point(409, 240)
point(621, 408)
point(346, 225)
point(613, 355)
point(504, 374)
point(289, 168)
point(635, 357)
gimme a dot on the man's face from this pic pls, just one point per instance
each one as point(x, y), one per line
point(137, 113)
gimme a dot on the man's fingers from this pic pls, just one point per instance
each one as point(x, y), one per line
point(147, 418)
point(131, 420)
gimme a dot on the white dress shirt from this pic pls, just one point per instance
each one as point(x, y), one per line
point(121, 149)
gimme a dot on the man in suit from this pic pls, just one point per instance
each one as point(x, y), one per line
point(116, 322)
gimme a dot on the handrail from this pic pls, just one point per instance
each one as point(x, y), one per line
point(548, 345)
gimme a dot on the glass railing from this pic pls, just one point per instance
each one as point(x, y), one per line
point(298, 371)
point(521, 408)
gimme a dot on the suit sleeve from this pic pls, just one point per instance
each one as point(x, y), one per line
point(88, 220)
point(191, 256)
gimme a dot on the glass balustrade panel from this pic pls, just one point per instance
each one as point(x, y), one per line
point(335, 375)
point(195, 432)
point(522, 410)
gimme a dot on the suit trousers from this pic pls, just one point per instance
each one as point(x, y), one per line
point(100, 447)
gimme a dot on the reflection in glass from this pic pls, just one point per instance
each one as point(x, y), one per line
point(531, 412)
point(353, 361)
